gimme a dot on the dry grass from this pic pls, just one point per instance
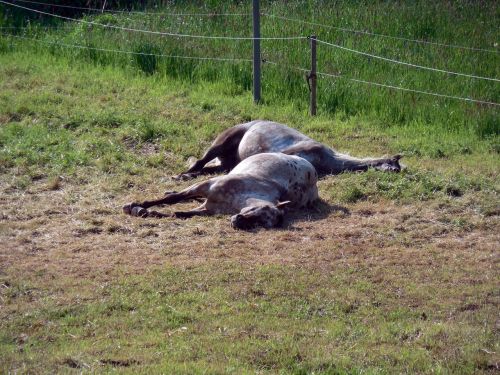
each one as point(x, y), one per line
point(79, 230)
point(437, 260)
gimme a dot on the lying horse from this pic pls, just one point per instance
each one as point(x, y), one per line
point(256, 191)
point(242, 141)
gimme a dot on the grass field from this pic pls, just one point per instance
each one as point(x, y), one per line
point(462, 23)
point(390, 273)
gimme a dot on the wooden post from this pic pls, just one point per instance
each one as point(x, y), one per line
point(312, 76)
point(256, 51)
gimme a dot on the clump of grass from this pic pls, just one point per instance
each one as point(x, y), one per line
point(108, 119)
point(489, 125)
point(150, 132)
point(352, 194)
point(5, 46)
point(146, 57)
point(407, 186)
point(21, 183)
point(107, 19)
point(54, 183)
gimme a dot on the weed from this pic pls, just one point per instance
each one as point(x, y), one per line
point(146, 58)
point(54, 183)
point(352, 194)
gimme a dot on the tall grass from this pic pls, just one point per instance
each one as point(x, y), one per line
point(459, 23)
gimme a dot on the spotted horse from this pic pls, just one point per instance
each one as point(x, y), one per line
point(256, 192)
point(244, 140)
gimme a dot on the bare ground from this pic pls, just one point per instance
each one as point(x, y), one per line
point(79, 230)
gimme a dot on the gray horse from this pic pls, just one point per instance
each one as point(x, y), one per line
point(244, 140)
point(256, 191)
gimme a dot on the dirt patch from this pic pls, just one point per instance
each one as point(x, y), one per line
point(144, 148)
point(81, 231)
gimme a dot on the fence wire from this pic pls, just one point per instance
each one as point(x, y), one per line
point(210, 14)
point(162, 33)
point(385, 85)
point(405, 63)
point(410, 90)
point(380, 35)
point(330, 75)
point(80, 46)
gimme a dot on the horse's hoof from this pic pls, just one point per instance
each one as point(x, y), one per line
point(184, 177)
point(397, 157)
point(389, 167)
point(127, 209)
point(139, 212)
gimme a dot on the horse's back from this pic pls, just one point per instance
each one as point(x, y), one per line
point(268, 136)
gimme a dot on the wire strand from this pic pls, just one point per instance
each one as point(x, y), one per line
point(132, 11)
point(126, 52)
point(405, 63)
point(264, 61)
point(381, 35)
point(163, 33)
point(391, 86)
point(410, 90)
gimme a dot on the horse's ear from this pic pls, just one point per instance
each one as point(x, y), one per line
point(283, 204)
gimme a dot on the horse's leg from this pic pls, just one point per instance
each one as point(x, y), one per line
point(201, 200)
point(224, 147)
point(328, 161)
point(390, 164)
point(199, 190)
point(199, 211)
point(213, 169)
point(345, 163)
point(198, 168)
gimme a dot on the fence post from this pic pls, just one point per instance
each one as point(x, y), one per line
point(312, 76)
point(256, 51)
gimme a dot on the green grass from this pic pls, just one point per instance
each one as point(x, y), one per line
point(460, 23)
point(55, 122)
point(228, 318)
point(406, 187)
